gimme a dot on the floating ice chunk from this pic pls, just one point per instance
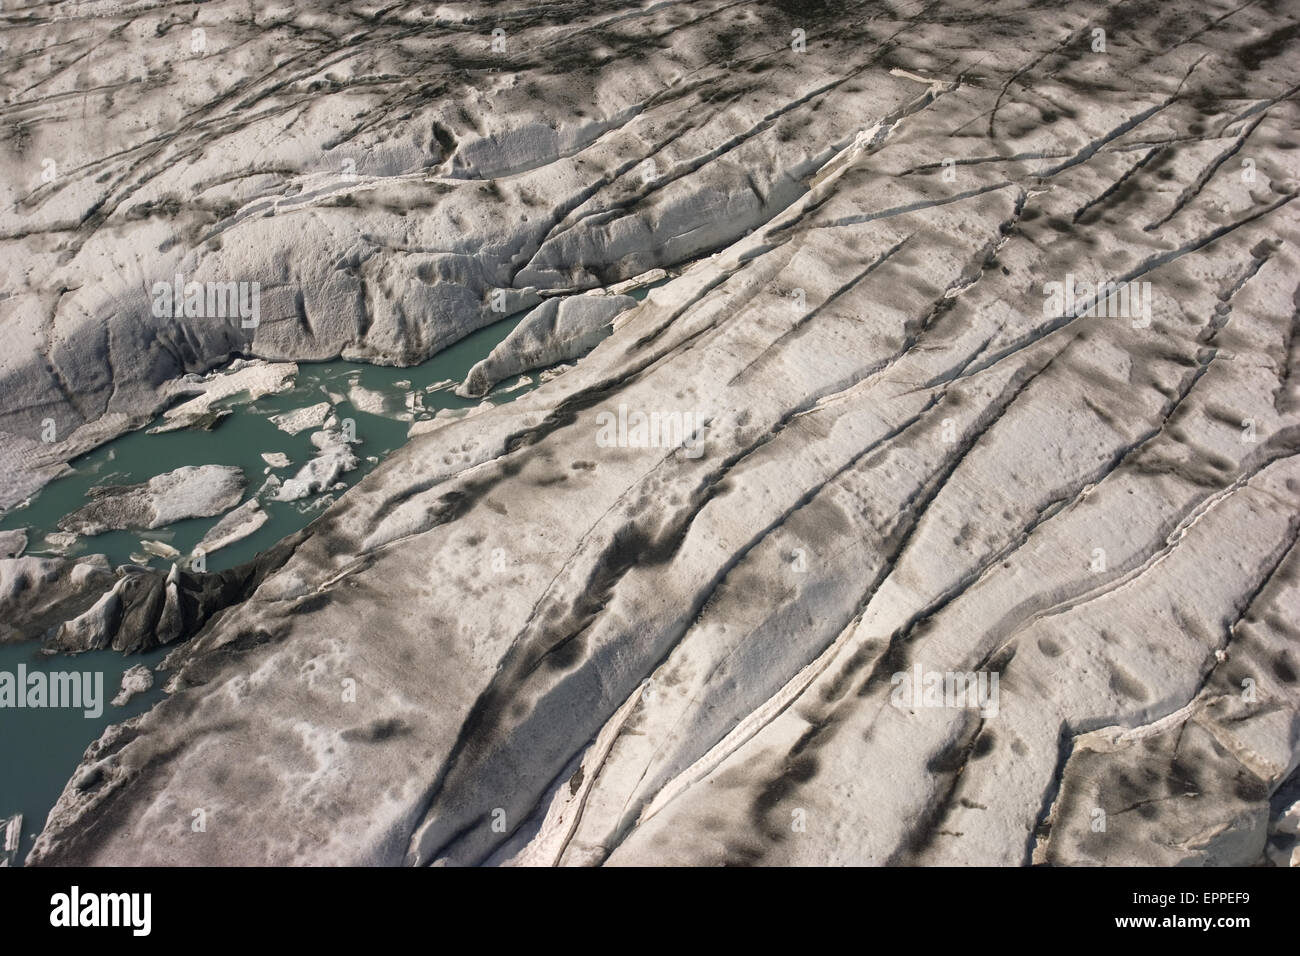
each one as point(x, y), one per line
point(159, 549)
point(334, 459)
point(136, 680)
point(235, 526)
point(194, 491)
point(254, 379)
point(299, 420)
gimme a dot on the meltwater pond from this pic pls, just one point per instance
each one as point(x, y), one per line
point(40, 747)
point(390, 398)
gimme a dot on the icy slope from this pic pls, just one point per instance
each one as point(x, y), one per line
point(528, 637)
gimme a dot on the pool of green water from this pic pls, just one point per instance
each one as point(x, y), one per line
point(41, 747)
point(243, 436)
